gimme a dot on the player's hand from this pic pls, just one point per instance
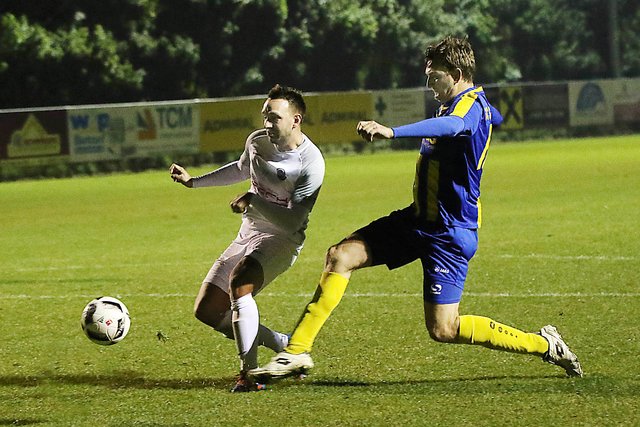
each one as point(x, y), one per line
point(370, 130)
point(241, 203)
point(180, 174)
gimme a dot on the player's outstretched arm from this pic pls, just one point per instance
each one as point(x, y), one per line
point(180, 174)
point(434, 127)
point(370, 130)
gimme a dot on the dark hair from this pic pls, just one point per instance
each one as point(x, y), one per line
point(294, 96)
point(452, 53)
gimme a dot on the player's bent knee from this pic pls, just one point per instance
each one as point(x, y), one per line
point(201, 314)
point(340, 258)
point(207, 315)
point(333, 255)
point(216, 321)
point(441, 333)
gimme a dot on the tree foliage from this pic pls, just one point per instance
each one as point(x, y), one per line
point(78, 52)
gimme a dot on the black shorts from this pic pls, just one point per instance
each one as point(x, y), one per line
point(397, 239)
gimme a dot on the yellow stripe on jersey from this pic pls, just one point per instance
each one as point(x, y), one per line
point(466, 102)
point(433, 184)
point(479, 213)
point(486, 149)
point(416, 187)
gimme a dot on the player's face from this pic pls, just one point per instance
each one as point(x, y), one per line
point(441, 82)
point(279, 120)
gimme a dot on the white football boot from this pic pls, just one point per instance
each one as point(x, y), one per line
point(283, 365)
point(559, 353)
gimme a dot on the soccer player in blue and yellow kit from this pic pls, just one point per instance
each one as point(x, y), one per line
point(439, 228)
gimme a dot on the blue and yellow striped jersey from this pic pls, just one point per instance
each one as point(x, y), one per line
point(447, 184)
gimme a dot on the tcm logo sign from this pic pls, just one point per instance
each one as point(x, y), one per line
point(165, 128)
point(153, 121)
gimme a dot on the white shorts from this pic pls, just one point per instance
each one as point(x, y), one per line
point(274, 253)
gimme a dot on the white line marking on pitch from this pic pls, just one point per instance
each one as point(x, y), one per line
point(347, 295)
point(102, 267)
point(572, 257)
point(508, 256)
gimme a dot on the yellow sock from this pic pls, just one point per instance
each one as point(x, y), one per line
point(327, 297)
point(488, 333)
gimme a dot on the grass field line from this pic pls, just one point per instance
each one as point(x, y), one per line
point(181, 263)
point(573, 257)
point(347, 295)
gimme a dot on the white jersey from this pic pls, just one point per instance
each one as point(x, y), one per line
point(286, 184)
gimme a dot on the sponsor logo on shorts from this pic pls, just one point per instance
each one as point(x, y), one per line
point(436, 289)
point(438, 269)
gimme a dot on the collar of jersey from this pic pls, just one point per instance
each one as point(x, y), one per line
point(304, 140)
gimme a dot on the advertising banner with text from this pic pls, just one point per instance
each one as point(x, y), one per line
point(605, 102)
point(33, 134)
point(139, 131)
point(626, 106)
point(398, 106)
point(164, 128)
point(546, 105)
point(97, 134)
point(591, 102)
point(530, 106)
point(332, 117)
point(225, 124)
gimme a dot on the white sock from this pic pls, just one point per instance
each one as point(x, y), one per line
point(246, 320)
point(274, 340)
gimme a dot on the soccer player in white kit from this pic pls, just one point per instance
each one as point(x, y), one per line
point(286, 171)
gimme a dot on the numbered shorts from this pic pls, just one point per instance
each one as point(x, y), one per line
point(396, 240)
point(274, 253)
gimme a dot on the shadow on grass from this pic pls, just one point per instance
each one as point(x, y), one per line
point(117, 380)
point(19, 422)
point(431, 381)
point(593, 385)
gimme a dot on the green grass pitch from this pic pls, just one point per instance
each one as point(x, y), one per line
point(559, 244)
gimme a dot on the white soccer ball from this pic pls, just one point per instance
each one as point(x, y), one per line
point(105, 320)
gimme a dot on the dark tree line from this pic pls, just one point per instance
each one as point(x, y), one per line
point(81, 52)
